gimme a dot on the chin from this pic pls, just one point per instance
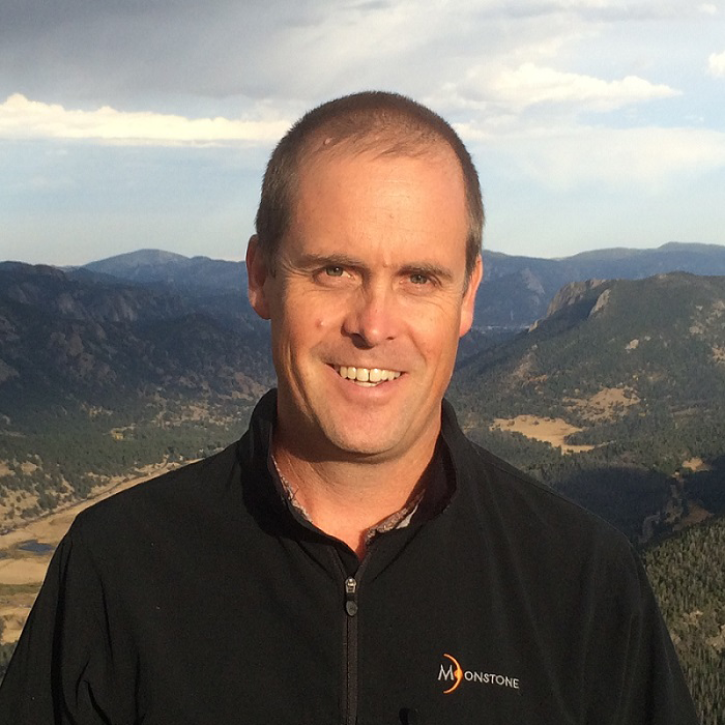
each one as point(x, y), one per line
point(362, 443)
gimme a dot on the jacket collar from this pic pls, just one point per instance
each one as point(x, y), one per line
point(255, 451)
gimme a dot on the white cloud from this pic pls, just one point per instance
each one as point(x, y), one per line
point(708, 8)
point(21, 118)
point(716, 64)
point(505, 92)
point(530, 85)
point(648, 158)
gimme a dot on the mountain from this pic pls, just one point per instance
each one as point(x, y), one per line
point(213, 287)
point(126, 265)
point(152, 266)
point(626, 378)
point(662, 338)
point(57, 327)
point(98, 375)
point(517, 290)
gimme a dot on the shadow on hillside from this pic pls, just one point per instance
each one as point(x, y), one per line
point(708, 487)
point(631, 499)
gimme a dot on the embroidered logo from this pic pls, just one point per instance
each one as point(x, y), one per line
point(453, 675)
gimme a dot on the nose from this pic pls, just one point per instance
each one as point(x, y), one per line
point(372, 317)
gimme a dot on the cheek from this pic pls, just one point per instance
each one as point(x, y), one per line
point(437, 329)
point(303, 331)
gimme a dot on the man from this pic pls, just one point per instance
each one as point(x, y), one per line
point(354, 558)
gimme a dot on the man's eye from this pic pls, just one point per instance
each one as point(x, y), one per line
point(419, 278)
point(334, 271)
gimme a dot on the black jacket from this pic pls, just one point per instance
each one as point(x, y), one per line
point(199, 598)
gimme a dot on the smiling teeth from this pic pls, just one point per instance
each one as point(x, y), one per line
point(367, 375)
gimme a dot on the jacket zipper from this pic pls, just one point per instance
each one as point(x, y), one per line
point(350, 636)
point(351, 650)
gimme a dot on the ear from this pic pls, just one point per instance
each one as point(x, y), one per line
point(257, 275)
point(469, 298)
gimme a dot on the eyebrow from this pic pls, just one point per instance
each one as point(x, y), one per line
point(310, 261)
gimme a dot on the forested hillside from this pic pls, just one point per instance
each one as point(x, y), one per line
point(688, 576)
point(633, 373)
point(98, 377)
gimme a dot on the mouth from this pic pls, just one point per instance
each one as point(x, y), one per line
point(366, 377)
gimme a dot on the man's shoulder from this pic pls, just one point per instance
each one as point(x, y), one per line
point(188, 490)
point(528, 503)
point(500, 473)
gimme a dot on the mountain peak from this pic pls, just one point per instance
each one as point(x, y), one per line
point(134, 260)
point(571, 294)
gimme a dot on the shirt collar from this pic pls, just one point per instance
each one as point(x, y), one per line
point(428, 498)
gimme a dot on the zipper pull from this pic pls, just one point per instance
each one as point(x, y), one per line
point(351, 596)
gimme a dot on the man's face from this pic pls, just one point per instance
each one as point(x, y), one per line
point(367, 303)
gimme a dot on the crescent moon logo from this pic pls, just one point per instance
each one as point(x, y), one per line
point(458, 674)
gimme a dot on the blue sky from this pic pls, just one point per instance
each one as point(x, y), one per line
point(128, 124)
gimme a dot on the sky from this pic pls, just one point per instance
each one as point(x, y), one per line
point(137, 124)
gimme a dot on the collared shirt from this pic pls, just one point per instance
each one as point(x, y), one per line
point(427, 498)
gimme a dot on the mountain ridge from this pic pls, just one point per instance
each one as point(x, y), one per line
point(515, 291)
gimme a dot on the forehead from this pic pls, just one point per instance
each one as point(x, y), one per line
point(327, 153)
point(371, 198)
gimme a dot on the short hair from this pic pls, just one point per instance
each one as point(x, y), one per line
point(388, 123)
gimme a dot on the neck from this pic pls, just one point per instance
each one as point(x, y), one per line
point(345, 499)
